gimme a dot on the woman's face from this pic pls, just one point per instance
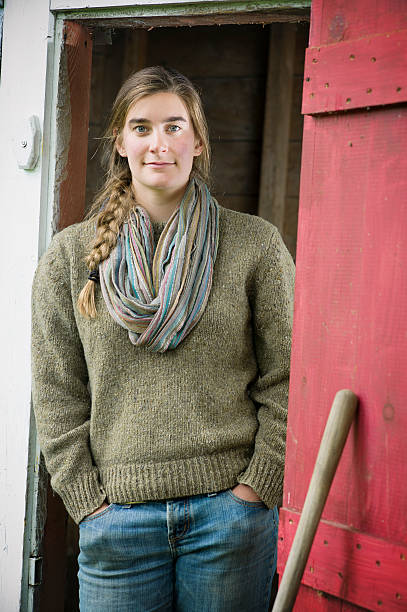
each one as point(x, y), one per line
point(159, 142)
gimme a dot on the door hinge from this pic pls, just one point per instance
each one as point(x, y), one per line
point(34, 571)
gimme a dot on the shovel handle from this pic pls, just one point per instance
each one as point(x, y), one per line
point(334, 438)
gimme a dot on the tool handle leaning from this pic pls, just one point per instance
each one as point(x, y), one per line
point(332, 443)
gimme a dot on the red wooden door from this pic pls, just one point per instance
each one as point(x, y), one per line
point(350, 322)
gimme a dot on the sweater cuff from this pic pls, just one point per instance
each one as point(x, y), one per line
point(82, 496)
point(265, 478)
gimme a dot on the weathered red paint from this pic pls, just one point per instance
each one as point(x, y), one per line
point(355, 74)
point(350, 329)
point(338, 551)
point(78, 47)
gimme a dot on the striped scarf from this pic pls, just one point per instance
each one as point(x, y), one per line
point(159, 296)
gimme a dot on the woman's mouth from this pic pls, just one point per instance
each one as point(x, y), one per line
point(158, 164)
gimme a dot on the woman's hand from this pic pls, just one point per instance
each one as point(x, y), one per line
point(102, 507)
point(245, 492)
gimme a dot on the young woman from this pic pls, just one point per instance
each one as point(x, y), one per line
point(161, 344)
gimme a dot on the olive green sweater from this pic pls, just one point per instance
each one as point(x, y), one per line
point(119, 421)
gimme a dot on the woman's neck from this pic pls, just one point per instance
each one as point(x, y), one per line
point(159, 204)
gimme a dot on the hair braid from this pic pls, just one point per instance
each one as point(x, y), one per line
point(108, 226)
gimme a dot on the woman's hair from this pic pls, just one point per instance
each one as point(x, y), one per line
point(115, 200)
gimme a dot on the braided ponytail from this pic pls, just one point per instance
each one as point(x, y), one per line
point(108, 225)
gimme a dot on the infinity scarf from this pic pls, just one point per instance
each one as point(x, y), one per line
point(159, 296)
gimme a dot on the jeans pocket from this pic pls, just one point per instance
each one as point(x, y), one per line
point(244, 502)
point(89, 519)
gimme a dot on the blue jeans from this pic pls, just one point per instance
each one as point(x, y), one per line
point(204, 553)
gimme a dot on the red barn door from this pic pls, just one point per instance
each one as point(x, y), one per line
point(350, 322)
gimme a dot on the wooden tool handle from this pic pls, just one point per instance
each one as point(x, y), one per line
point(334, 438)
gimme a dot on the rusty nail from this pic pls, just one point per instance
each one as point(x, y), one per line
point(369, 90)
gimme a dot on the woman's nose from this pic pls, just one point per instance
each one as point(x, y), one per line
point(158, 142)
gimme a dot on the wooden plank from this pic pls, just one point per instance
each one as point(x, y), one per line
point(335, 21)
point(351, 565)
point(78, 45)
point(236, 167)
point(356, 74)
point(205, 19)
point(244, 97)
point(212, 60)
point(318, 601)
point(274, 162)
point(351, 306)
point(135, 54)
point(58, 5)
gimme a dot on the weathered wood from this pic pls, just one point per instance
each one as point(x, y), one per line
point(218, 51)
point(78, 44)
point(135, 54)
point(188, 20)
point(350, 564)
point(333, 441)
point(355, 74)
point(334, 21)
point(236, 167)
point(351, 300)
point(276, 131)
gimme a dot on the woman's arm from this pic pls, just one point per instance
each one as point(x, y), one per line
point(61, 399)
point(272, 307)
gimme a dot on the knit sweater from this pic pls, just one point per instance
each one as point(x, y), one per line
point(120, 422)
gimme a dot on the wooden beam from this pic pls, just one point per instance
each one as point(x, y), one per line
point(276, 132)
point(78, 54)
point(232, 18)
point(135, 51)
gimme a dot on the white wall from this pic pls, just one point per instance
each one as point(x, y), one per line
point(22, 93)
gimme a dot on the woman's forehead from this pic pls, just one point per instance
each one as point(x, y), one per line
point(158, 106)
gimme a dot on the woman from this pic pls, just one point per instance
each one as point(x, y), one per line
point(161, 341)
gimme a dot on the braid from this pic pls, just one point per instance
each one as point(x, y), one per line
point(109, 222)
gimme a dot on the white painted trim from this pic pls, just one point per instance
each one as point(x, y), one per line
point(27, 37)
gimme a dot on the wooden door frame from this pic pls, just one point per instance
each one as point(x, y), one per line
point(65, 133)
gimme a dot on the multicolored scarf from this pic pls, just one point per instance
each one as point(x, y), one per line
point(160, 295)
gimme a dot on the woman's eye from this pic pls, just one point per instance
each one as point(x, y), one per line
point(140, 129)
point(173, 128)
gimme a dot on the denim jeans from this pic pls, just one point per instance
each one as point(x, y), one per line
point(207, 553)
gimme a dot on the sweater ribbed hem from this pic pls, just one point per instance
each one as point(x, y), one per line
point(265, 478)
point(168, 480)
point(83, 496)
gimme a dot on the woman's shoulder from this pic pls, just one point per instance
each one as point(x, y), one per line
point(67, 249)
point(232, 220)
point(242, 228)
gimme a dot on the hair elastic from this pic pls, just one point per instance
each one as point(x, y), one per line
point(94, 276)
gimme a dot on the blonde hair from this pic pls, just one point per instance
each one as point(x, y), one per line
point(115, 200)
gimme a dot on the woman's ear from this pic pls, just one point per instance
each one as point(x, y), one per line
point(119, 144)
point(198, 148)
